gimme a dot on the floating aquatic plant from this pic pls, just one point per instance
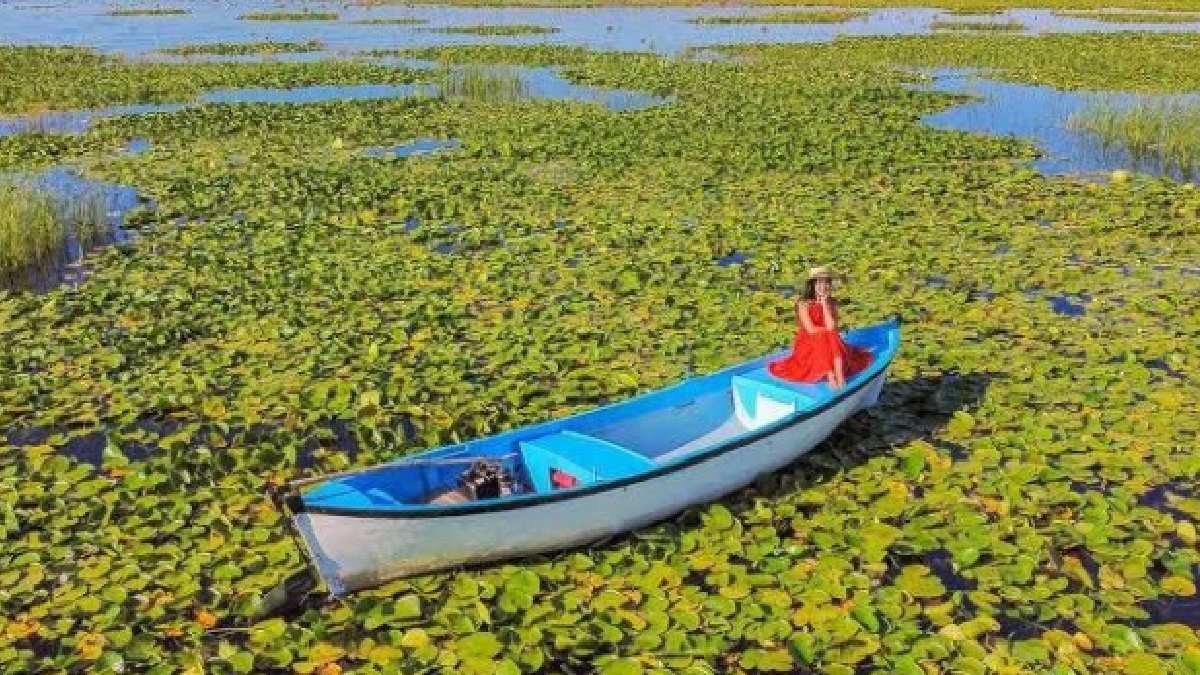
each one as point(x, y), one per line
point(801, 16)
point(65, 78)
point(244, 48)
point(965, 25)
point(505, 29)
point(289, 16)
point(150, 11)
point(392, 21)
point(1132, 16)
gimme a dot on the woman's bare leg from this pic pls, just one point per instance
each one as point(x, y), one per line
point(839, 373)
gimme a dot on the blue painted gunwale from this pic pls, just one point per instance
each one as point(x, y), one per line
point(883, 337)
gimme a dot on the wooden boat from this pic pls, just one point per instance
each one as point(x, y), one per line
point(576, 480)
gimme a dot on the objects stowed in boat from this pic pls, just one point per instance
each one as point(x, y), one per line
point(485, 479)
point(489, 479)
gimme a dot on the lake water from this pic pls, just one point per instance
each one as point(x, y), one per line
point(661, 29)
point(1040, 114)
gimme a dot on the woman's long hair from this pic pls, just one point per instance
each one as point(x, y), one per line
point(810, 290)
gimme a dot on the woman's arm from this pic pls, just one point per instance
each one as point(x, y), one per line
point(803, 319)
point(829, 307)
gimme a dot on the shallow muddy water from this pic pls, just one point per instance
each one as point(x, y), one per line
point(1041, 114)
point(660, 29)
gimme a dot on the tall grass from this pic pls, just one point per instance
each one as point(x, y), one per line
point(1168, 132)
point(31, 227)
point(37, 224)
point(487, 84)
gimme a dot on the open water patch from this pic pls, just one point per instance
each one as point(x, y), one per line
point(420, 146)
point(1041, 114)
point(102, 205)
point(1070, 305)
point(734, 258)
point(137, 146)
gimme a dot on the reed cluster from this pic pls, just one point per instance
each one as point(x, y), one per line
point(487, 84)
point(800, 16)
point(31, 227)
point(1168, 132)
point(36, 223)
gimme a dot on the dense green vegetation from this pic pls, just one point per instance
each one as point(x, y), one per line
point(1166, 132)
point(1136, 17)
point(289, 16)
point(150, 11)
point(1090, 61)
point(962, 24)
point(242, 48)
point(1023, 501)
point(506, 29)
point(39, 78)
point(806, 16)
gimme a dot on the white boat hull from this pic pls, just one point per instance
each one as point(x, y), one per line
point(359, 551)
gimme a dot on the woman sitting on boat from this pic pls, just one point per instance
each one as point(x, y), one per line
point(818, 351)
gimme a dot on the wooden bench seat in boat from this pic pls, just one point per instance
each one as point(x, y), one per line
point(585, 458)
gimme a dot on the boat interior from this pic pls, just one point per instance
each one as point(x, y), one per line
point(609, 443)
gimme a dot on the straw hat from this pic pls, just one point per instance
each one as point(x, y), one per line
point(821, 272)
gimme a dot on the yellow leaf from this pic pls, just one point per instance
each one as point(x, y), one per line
point(323, 652)
point(1187, 532)
point(415, 638)
point(91, 646)
point(1177, 585)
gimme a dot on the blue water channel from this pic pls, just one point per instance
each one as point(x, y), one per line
point(667, 30)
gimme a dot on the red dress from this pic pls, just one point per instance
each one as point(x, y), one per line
point(812, 354)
